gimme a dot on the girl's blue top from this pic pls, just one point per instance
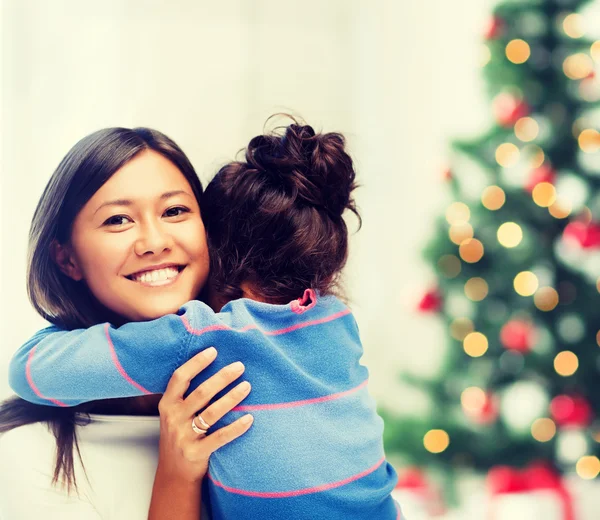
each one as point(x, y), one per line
point(315, 449)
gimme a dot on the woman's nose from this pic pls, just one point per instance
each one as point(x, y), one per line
point(153, 239)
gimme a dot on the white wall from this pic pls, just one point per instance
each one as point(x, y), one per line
point(398, 77)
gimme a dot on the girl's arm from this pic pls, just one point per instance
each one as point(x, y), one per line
point(66, 368)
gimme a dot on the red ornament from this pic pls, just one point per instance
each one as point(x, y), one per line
point(517, 335)
point(582, 234)
point(544, 173)
point(508, 109)
point(571, 411)
point(430, 302)
point(494, 28)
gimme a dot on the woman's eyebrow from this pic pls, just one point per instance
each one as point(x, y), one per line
point(128, 202)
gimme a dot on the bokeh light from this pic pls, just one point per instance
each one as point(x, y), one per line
point(589, 140)
point(449, 265)
point(588, 467)
point(526, 283)
point(510, 234)
point(458, 213)
point(566, 363)
point(595, 51)
point(475, 344)
point(507, 155)
point(476, 289)
point(561, 208)
point(527, 129)
point(471, 250)
point(473, 399)
point(578, 66)
point(573, 26)
point(460, 232)
point(518, 51)
point(546, 299)
point(543, 429)
point(544, 194)
point(460, 328)
point(436, 441)
point(535, 155)
point(598, 338)
point(493, 198)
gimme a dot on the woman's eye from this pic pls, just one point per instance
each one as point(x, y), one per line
point(116, 220)
point(176, 211)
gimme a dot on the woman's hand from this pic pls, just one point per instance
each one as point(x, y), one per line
point(184, 454)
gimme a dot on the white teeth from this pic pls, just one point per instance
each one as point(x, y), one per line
point(155, 276)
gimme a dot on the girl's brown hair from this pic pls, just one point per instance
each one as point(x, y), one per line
point(275, 219)
point(59, 299)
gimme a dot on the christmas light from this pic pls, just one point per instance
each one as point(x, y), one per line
point(544, 194)
point(510, 234)
point(458, 213)
point(588, 467)
point(578, 66)
point(535, 155)
point(473, 399)
point(546, 299)
point(573, 26)
point(518, 51)
point(460, 328)
point(526, 283)
point(560, 209)
point(493, 198)
point(526, 129)
point(595, 51)
point(598, 338)
point(449, 265)
point(507, 155)
point(475, 344)
point(566, 363)
point(476, 289)
point(589, 140)
point(460, 232)
point(471, 250)
point(543, 430)
point(436, 441)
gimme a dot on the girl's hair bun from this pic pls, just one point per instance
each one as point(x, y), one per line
point(313, 169)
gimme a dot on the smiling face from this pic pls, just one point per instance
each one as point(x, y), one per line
point(139, 243)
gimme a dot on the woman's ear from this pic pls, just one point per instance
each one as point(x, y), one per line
point(65, 260)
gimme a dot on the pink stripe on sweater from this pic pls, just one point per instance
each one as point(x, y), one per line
point(211, 328)
point(292, 404)
point(32, 384)
point(298, 492)
point(113, 355)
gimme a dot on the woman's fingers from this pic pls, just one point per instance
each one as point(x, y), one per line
point(225, 435)
point(181, 378)
point(230, 400)
point(201, 396)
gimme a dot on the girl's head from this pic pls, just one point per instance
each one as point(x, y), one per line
point(121, 202)
point(274, 221)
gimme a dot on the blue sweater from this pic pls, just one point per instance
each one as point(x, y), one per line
point(315, 449)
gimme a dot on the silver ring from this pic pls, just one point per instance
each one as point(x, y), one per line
point(203, 423)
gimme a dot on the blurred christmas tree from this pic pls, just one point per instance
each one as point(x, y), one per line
point(517, 257)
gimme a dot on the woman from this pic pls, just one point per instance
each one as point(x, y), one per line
point(126, 463)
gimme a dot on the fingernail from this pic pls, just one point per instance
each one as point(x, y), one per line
point(247, 419)
point(244, 386)
point(210, 352)
point(238, 366)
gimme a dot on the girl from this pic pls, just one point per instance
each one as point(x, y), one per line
point(278, 243)
point(129, 458)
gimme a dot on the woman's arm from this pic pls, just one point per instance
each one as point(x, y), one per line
point(65, 368)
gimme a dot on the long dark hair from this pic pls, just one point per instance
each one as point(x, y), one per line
point(59, 299)
point(275, 220)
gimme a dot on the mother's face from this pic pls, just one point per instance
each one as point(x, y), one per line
point(139, 243)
